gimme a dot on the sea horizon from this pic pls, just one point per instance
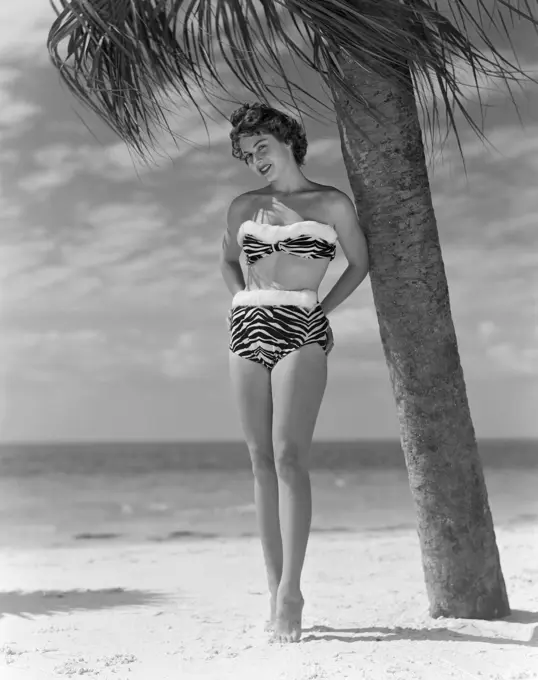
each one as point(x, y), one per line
point(59, 492)
point(169, 440)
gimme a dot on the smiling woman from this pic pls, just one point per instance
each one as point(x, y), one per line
point(280, 335)
point(379, 62)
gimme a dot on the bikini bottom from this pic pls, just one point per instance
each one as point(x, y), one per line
point(266, 325)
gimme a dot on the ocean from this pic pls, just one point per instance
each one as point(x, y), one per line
point(58, 494)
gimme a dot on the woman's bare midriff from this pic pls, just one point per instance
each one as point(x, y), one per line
point(281, 271)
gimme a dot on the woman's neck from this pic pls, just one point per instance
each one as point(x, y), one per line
point(292, 183)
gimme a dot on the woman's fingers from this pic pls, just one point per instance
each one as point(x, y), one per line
point(330, 340)
point(278, 214)
point(290, 216)
point(279, 205)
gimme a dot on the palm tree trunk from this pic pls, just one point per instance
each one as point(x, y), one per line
point(389, 180)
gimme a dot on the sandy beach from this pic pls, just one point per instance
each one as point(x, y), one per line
point(195, 608)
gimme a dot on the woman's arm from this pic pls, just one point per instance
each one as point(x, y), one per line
point(231, 251)
point(353, 244)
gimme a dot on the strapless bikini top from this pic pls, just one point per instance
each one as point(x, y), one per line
point(307, 239)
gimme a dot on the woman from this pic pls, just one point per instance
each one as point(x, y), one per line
point(280, 335)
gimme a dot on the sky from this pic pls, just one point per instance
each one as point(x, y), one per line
point(112, 305)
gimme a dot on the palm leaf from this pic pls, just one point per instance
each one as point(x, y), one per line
point(126, 58)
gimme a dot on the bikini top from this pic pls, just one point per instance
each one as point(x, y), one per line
point(308, 239)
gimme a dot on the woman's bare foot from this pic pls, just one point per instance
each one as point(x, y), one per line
point(289, 612)
point(270, 624)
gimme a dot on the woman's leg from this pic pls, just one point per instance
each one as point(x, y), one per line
point(251, 385)
point(298, 384)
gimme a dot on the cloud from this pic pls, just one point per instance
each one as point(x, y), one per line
point(506, 157)
point(352, 368)
point(10, 212)
point(512, 347)
point(513, 359)
point(24, 26)
point(189, 135)
point(15, 112)
point(357, 346)
point(350, 325)
point(215, 204)
point(71, 261)
point(487, 329)
point(489, 86)
point(488, 232)
point(56, 355)
point(41, 356)
point(205, 165)
point(183, 358)
point(326, 151)
point(511, 143)
point(491, 97)
point(61, 164)
point(113, 232)
point(136, 253)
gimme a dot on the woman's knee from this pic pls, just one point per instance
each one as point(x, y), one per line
point(290, 459)
point(262, 460)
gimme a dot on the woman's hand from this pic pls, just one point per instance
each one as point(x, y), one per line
point(278, 214)
point(229, 319)
point(330, 339)
point(284, 214)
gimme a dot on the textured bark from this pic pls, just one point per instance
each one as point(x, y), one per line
point(389, 180)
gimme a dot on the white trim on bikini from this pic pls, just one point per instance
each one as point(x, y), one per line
point(273, 296)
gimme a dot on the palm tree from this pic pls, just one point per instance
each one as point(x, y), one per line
point(378, 59)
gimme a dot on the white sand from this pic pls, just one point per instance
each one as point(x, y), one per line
point(196, 610)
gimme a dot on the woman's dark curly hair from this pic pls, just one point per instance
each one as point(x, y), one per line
point(258, 118)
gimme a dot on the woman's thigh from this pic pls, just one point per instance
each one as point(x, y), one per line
point(298, 384)
point(251, 387)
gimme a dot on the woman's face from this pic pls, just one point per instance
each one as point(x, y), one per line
point(265, 155)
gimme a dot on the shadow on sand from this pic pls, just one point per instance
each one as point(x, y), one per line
point(385, 634)
point(47, 602)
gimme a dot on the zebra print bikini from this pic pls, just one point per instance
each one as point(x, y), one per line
point(268, 324)
point(310, 240)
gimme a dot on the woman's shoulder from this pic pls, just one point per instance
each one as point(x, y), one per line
point(330, 200)
point(331, 194)
point(241, 207)
point(248, 197)
point(337, 201)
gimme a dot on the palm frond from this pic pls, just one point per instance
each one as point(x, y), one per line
point(126, 58)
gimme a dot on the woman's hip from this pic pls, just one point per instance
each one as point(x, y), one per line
point(292, 314)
